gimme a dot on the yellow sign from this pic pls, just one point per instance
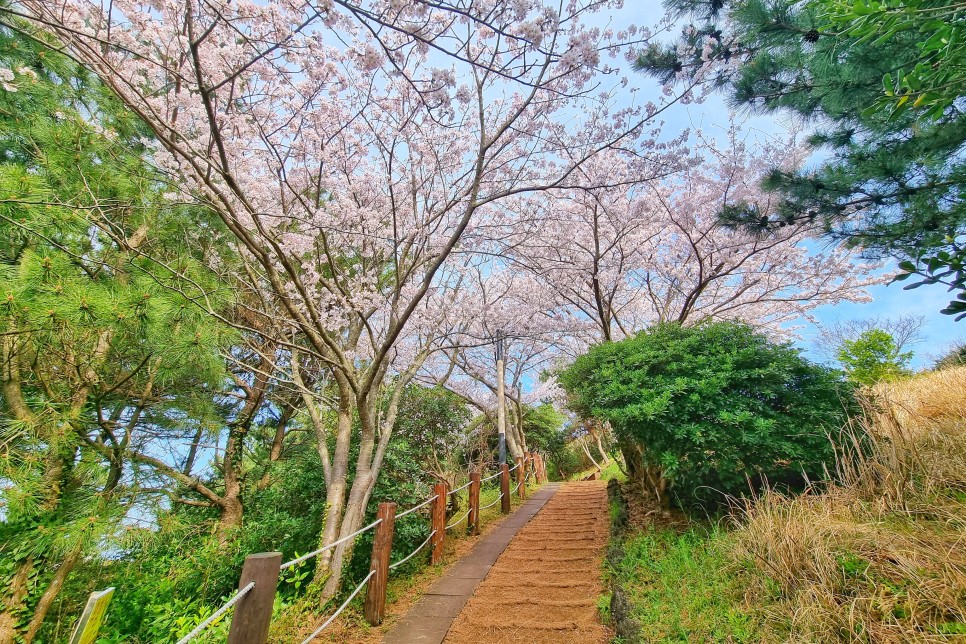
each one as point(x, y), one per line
point(90, 622)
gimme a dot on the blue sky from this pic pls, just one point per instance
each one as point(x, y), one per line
point(940, 331)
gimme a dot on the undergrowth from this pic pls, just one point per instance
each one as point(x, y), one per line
point(683, 587)
point(876, 556)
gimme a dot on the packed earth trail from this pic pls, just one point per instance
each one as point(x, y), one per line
point(544, 587)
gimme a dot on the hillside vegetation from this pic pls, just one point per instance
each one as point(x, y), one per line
point(876, 556)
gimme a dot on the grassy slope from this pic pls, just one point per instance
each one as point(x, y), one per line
point(880, 557)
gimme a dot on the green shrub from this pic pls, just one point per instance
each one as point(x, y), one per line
point(701, 411)
point(955, 356)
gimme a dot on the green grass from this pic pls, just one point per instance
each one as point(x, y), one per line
point(682, 587)
point(611, 471)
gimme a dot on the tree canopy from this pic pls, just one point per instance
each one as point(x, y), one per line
point(255, 257)
point(98, 342)
point(873, 356)
point(880, 83)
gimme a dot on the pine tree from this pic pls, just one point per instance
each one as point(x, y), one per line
point(98, 337)
point(895, 180)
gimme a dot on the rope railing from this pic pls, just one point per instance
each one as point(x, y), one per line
point(341, 608)
point(414, 508)
point(307, 556)
point(254, 614)
point(523, 481)
point(460, 488)
point(413, 553)
point(460, 520)
point(218, 613)
point(490, 477)
point(490, 505)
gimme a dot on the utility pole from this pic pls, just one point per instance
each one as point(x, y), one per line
point(500, 396)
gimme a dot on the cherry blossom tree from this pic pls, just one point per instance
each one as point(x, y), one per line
point(637, 253)
point(347, 147)
point(512, 307)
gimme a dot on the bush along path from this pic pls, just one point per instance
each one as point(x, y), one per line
point(545, 586)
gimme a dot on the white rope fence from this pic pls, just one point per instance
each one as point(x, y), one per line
point(460, 520)
point(341, 608)
point(462, 487)
point(295, 562)
point(490, 505)
point(413, 553)
point(214, 617)
point(218, 613)
point(490, 477)
point(413, 509)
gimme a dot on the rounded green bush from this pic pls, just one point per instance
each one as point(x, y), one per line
point(706, 410)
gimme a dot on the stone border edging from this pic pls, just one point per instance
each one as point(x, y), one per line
point(430, 618)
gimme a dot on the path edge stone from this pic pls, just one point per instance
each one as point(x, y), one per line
point(424, 623)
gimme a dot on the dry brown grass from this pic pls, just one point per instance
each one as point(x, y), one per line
point(925, 400)
point(881, 555)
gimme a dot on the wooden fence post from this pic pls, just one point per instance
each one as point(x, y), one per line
point(521, 478)
point(375, 609)
point(474, 522)
point(541, 473)
point(253, 612)
point(505, 488)
point(439, 523)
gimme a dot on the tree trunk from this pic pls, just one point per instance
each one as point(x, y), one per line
point(232, 509)
point(518, 426)
point(657, 484)
point(600, 447)
point(633, 459)
point(512, 446)
point(583, 444)
point(352, 521)
point(335, 486)
point(50, 594)
point(278, 441)
point(355, 508)
point(650, 477)
point(375, 433)
point(13, 601)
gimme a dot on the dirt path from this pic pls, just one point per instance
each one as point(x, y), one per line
point(544, 587)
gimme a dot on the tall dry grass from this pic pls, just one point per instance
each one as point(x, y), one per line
point(880, 555)
point(926, 401)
